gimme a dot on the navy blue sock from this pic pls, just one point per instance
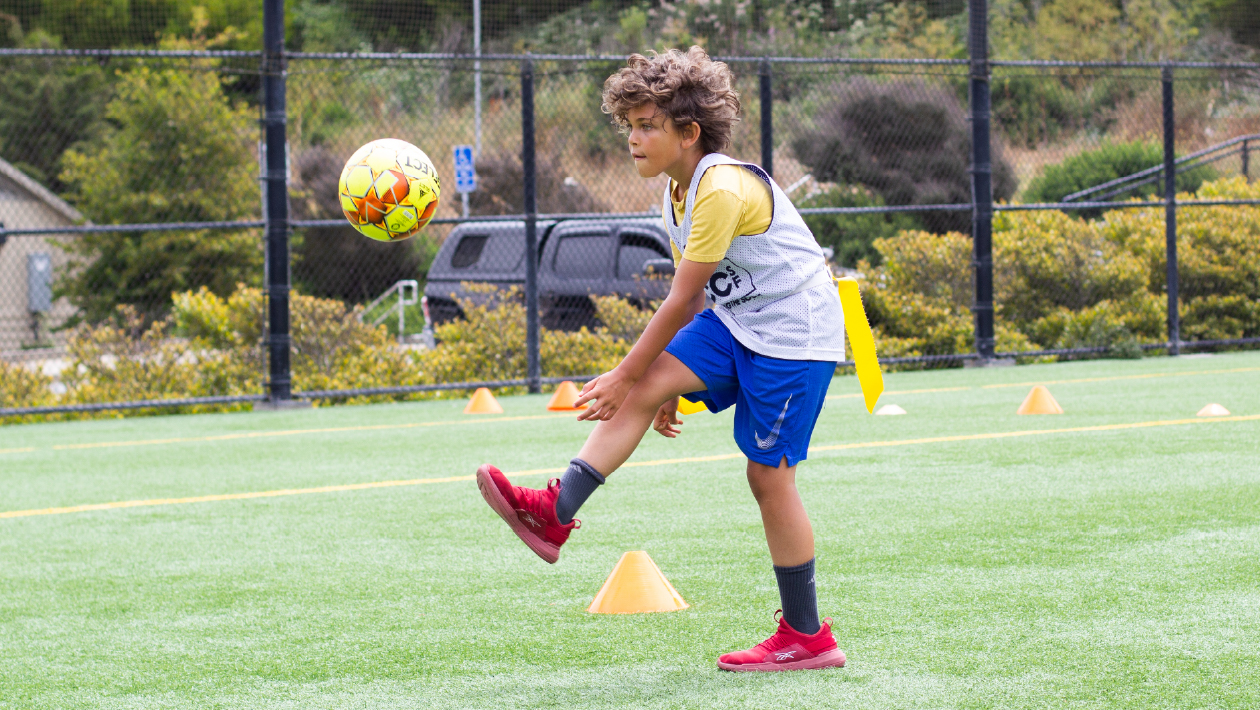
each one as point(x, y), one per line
point(576, 485)
point(800, 601)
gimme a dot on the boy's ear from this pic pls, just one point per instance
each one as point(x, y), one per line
point(690, 134)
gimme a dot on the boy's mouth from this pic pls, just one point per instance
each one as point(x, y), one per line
point(638, 156)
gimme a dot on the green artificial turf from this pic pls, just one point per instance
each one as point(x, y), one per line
point(1094, 569)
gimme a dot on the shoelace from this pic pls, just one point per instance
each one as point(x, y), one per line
point(776, 641)
point(779, 640)
point(541, 503)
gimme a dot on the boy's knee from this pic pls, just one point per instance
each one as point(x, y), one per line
point(769, 482)
point(656, 387)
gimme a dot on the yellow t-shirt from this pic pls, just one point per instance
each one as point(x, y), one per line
point(731, 201)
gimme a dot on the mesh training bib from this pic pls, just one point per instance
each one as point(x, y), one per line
point(772, 290)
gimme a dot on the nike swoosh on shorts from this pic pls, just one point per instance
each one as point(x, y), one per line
point(774, 433)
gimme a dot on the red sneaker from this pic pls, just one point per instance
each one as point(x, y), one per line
point(788, 650)
point(531, 513)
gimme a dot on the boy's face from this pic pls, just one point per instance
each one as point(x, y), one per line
point(655, 143)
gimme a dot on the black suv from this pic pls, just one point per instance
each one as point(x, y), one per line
point(577, 259)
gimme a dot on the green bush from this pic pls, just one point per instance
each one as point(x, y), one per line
point(212, 345)
point(853, 236)
point(1066, 282)
point(908, 141)
point(1048, 260)
point(1108, 162)
point(1035, 110)
point(1218, 258)
point(21, 386)
point(918, 302)
point(489, 342)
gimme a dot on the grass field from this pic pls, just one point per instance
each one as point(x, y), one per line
point(1075, 564)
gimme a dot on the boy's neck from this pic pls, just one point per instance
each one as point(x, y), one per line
point(683, 171)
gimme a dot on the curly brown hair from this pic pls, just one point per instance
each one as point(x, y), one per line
point(686, 87)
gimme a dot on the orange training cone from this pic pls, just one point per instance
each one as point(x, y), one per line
point(1213, 410)
point(483, 402)
point(562, 401)
point(636, 586)
point(1039, 401)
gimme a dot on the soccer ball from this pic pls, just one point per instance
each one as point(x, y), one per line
point(389, 190)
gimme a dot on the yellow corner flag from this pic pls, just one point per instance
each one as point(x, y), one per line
point(686, 406)
point(861, 342)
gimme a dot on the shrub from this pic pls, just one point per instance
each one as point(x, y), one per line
point(129, 359)
point(1108, 162)
point(909, 142)
point(918, 301)
point(331, 348)
point(1115, 325)
point(1048, 260)
point(499, 179)
point(1034, 109)
point(1066, 282)
point(852, 236)
point(1218, 258)
point(21, 386)
point(489, 342)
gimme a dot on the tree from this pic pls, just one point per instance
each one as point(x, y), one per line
point(175, 150)
point(907, 141)
point(47, 104)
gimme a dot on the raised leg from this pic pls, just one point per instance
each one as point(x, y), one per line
point(612, 441)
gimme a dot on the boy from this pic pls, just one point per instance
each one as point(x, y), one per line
point(769, 345)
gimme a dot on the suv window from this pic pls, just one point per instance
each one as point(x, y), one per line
point(505, 252)
point(634, 252)
point(469, 251)
point(583, 256)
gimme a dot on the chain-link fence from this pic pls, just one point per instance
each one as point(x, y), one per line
point(134, 265)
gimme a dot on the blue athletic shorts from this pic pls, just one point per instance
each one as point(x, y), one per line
point(777, 401)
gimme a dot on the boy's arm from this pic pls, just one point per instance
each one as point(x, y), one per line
point(685, 300)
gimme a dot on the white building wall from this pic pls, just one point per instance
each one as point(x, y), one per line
point(20, 208)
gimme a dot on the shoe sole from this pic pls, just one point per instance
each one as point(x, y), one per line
point(549, 552)
point(830, 659)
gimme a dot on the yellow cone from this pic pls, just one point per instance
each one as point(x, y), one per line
point(1214, 410)
point(1039, 401)
point(562, 401)
point(636, 586)
point(483, 402)
point(686, 406)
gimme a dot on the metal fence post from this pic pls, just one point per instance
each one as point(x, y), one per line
point(275, 183)
point(767, 118)
point(1170, 212)
point(1246, 160)
point(530, 178)
point(981, 179)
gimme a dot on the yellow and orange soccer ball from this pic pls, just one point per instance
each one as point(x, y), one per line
point(389, 190)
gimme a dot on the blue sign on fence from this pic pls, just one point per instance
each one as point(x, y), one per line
point(465, 169)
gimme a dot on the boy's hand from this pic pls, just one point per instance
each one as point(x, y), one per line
point(667, 422)
point(608, 391)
